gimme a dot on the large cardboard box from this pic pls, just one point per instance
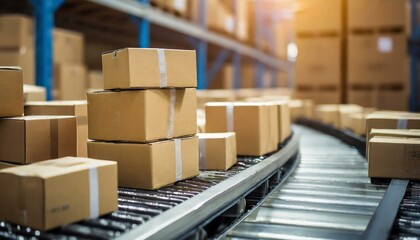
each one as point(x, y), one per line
point(358, 123)
point(34, 93)
point(32, 139)
point(365, 97)
point(142, 115)
point(318, 61)
point(319, 15)
point(69, 82)
point(217, 151)
point(11, 92)
point(363, 14)
point(65, 108)
point(147, 68)
point(54, 193)
point(95, 80)
point(394, 157)
point(256, 136)
point(68, 47)
point(389, 120)
point(16, 31)
point(22, 57)
point(150, 165)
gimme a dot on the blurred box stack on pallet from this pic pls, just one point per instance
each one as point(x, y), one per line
point(377, 59)
point(318, 69)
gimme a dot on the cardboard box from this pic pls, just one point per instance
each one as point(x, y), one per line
point(363, 97)
point(346, 111)
point(11, 92)
point(95, 80)
point(256, 136)
point(391, 157)
point(390, 120)
point(318, 61)
point(150, 165)
point(4, 165)
point(358, 123)
point(217, 151)
point(54, 193)
point(224, 79)
point(65, 108)
point(69, 82)
point(205, 96)
point(68, 47)
point(393, 99)
point(285, 127)
point(23, 57)
point(147, 68)
point(16, 31)
point(301, 108)
point(32, 139)
point(328, 114)
point(142, 115)
point(318, 15)
point(34, 93)
point(178, 6)
point(319, 96)
point(401, 133)
point(363, 14)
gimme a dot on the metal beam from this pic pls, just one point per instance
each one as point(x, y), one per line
point(144, 28)
point(184, 26)
point(237, 76)
point(202, 47)
point(414, 54)
point(217, 65)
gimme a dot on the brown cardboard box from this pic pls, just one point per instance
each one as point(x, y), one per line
point(22, 57)
point(65, 108)
point(301, 108)
point(346, 111)
point(34, 93)
point(256, 136)
point(285, 127)
point(242, 20)
point(363, 97)
point(318, 15)
point(150, 165)
point(389, 120)
point(16, 31)
point(11, 92)
point(58, 192)
point(146, 68)
point(401, 133)
point(394, 157)
point(178, 6)
point(32, 139)
point(95, 80)
point(328, 114)
point(217, 151)
point(319, 61)
point(4, 165)
point(358, 123)
point(393, 99)
point(69, 82)
point(219, 15)
point(142, 115)
point(68, 47)
point(376, 13)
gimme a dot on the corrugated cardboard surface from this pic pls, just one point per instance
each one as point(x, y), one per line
point(394, 157)
point(328, 114)
point(32, 139)
point(219, 151)
point(358, 123)
point(256, 135)
point(95, 80)
point(34, 93)
point(23, 57)
point(69, 82)
point(16, 31)
point(57, 192)
point(67, 108)
point(68, 47)
point(140, 68)
point(148, 166)
point(11, 92)
point(318, 15)
point(393, 99)
point(141, 115)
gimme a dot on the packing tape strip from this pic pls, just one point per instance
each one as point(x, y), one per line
point(402, 124)
point(202, 143)
point(178, 160)
point(94, 192)
point(170, 129)
point(162, 68)
point(229, 117)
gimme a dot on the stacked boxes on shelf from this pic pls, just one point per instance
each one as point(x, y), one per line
point(377, 73)
point(318, 68)
point(146, 119)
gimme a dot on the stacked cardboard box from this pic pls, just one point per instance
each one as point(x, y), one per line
point(377, 73)
point(69, 69)
point(146, 118)
point(17, 44)
point(318, 70)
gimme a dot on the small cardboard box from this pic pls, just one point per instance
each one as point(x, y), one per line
point(390, 120)
point(11, 92)
point(147, 68)
point(394, 157)
point(34, 93)
point(301, 108)
point(328, 114)
point(4, 165)
point(346, 111)
point(256, 135)
point(32, 139)
point(217, 151)
point(53, 193)
point(358, 123)
point(68, 47)
point(65, 108)
point(69, 82)
point(150, 165)
point(285, 127)
point(22, 57)
point(16, 31)
point(142, 115)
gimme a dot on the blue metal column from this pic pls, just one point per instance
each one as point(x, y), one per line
point(144, 29)
point(202, 48)
point(259, 71)
point(237, 76)
point(217, 65)
point(44, 23)
point(274, 78)
point(414, 54)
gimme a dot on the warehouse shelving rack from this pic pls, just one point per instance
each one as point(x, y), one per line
point(44, 22)
point(414, 57)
